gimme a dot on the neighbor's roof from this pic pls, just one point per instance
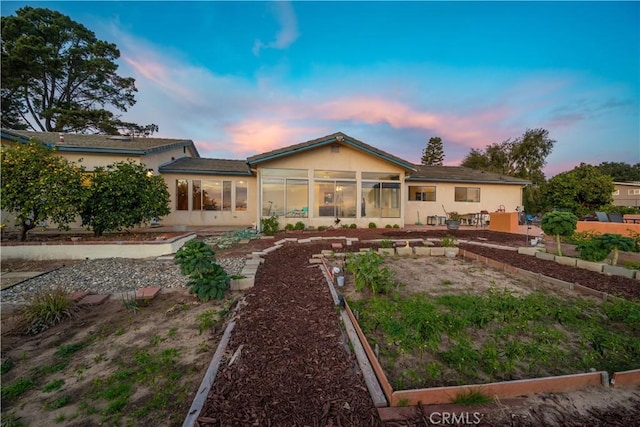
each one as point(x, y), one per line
point(206, 166)
point(462, 174)
point(11, 135)
point(339, 138)
point(628, 183)
point(108, 144)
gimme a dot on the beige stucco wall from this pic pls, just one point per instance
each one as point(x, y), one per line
point(492, 198)
point(152, 161)
point(346, 159)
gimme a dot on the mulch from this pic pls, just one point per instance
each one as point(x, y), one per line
point(295, 367)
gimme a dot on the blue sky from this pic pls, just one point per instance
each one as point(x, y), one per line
point(240, 78)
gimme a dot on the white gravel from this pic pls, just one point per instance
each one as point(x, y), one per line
point(109, 276)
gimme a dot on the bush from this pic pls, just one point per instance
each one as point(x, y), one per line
point(387, 226)
point(372, 225)
point(592, 250)
point(46, 309)
point(369, 273)
point(288, 227)
point(270, 226)
point(207, 278)
point(299, 226)
point(353, 226)
point(396, 226)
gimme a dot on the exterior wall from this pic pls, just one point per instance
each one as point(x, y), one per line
point(624, 198)
point(492, 198)
point(346, 159)
point(152, 161)
point(230, 218)
point(623, 229)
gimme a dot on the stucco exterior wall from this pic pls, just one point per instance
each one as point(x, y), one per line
point(492, 198)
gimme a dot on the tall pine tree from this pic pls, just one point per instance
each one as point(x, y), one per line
point(433, 153)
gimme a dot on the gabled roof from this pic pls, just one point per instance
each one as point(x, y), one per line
point(206, 166)
point(628, 183)
point(339, 138)
point(462, 174)
point(107, 144)
point(11, 135)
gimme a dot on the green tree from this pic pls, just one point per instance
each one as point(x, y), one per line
point(583, 190)
point(616, 242)
point(559, 224)
point(433, 153)
point(58, 77)
point(523, 157)
point(124, 195)
point(38, 186)
point(620, 172)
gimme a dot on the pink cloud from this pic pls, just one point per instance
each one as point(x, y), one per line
point(160, 75)
point(258, 135)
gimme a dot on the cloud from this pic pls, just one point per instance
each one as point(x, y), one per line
point(288, 33)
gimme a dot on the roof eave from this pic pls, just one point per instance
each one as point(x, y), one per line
point(203, 172)
point(471, 180)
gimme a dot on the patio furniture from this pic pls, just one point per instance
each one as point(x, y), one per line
point(602, 216)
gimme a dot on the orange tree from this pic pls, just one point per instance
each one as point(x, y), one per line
point(123, 195)
point(39, 186)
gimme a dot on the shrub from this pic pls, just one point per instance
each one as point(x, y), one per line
point(387, 226)
point(207, 278)
point(396, 226)
point(386, 243)
point(616, 243)
point(299, 226)
point(322, 228)
point(288, 227)
point(353, 226)
point(592, 250)
point(369, 273)
point(559, 224)
point(46, 309)
point(270, 226)
point(372, 225)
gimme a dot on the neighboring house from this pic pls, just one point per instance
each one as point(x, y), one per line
point(627, 194)
point(315, 182)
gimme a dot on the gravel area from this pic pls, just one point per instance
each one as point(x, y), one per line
point(110, 276)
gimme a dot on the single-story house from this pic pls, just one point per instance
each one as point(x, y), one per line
point(627, 194)
point(335, 176)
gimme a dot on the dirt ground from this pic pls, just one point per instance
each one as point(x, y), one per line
point(284, 376)
point(112, 336)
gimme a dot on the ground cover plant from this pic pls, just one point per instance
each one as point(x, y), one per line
point(446, 334)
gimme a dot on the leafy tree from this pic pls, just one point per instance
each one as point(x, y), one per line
point(616, 242)
point(123, 195)
point(58, 77)
point(620, 172)
point(433, 153)
point(559, 224)
point(523, 157)
point(39, 186)
point(582, 190)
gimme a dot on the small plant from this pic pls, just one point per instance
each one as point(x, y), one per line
point(206, 320)
point(372, 225)
point(472, 397)
point(11, 420)
point(387, 226)
point(353, 226)
point(270, 225)
point(6, 366)
point(299, 226)
point(130, 302)
point(17, 388)
point(616, 243)
point(592, 250)
point(53, 385)
point(396, 226)
point(66, 350)
point(369, 273)
point(632, 265)
point(386, 243)
point(207, 278)
point(559, 224)
point(172, 332)
point(288, 227)
point(448, 242)
point(58, 403)
point(46, 309)
point(322, 228)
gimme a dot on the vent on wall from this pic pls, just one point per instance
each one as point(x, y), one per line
point(335, 148)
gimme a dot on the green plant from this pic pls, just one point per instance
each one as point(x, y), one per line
point(299, 226)
point(396, 226)
point(632, 265)
point(270, 225)
point(387, 226)
point(130, 302)
point(206, 320)
point(6, 366)
point(617, 243)
point(369, 273)
point(288, 227)
point(592, 250)
point(372, 225)
point(46, 309)
point(386, 243)
point(559, 224)
point(448, 242)
point(53, 385)
point(66, 350)
point(353, 226)
point(472, 397)
point(322, 228)
point(57, 403)
point(454, 216)
point(207, 278)
point(60, 418)
point(172, 332)
point(11, 420)
point(17, 388)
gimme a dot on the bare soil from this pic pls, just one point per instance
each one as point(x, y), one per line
point(294, 367)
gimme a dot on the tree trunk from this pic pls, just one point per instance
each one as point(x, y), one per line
point(614, 261)
point(25, 228)
point(559, 246)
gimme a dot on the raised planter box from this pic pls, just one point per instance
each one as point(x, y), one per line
point(93, 250)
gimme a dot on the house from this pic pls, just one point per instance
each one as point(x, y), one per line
point(336, 176)
point(627, 194)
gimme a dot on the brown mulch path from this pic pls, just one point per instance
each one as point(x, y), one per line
point(294, 368)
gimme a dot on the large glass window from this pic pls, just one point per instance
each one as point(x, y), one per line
point(226, 195)
point(211, 195)
point(182, 195)
point(297, 198)
point(196, 188)
point(335, 198)
point(422, 194)
point(380, 199)
point(467, 194)
point(241, 196)
point(285, 197)
point(273, 196)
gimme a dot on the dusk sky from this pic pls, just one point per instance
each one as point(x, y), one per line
point(240, 78)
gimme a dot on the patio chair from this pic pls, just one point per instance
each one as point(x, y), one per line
point(602, 216)
point(615, 217)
